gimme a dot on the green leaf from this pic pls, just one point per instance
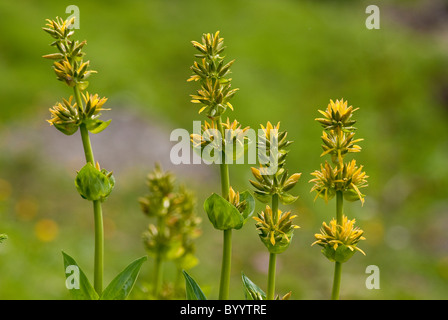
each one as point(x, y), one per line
point(67, 129)
point(251, 290)
point(263, 197)
point(82, 85)
point(193, 291)
point(96, 125)
point(287, 198)
point(76, 281)
point(280, 245)
point(352, 196)
point(222, 214)
point(250, 205)
point(111, 178)
point(120, 287)
point(341, 254)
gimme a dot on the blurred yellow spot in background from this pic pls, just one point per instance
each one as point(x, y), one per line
point(46, 230)
point(26, 209)
point(5, 190)
point(374, 231)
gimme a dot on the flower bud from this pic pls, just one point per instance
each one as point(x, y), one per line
point(94, 184)
point(232, 214)
point(338, 116)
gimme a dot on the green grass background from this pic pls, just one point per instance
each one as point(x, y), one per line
point(291, 58)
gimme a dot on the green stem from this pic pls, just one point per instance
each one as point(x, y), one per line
point(226, 265)
point(227, 237)
point(336, 281)
point(97, 210)
point(78, 99)
point(99, 247)
point(339, 206)
point(275, 207)
point(86, 144)
point(338, 265)
point(224, 167)
point(271, 277)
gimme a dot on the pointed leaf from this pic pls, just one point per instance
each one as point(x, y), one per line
point(96, 125)
point(287, 198)
point(76, 281)
point(251, 290)
point(120, 287)
point(250, 205)
point(193, 291)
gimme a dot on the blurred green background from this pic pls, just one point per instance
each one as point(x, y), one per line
point(291, 58)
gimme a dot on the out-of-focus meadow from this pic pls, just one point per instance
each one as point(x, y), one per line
point(291, 58)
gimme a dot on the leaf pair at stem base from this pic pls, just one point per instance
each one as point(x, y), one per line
point(118, 289)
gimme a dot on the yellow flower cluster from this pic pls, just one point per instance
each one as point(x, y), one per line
point(336, 235)
point(276, 229)
point(344, 180)
point(338, 139)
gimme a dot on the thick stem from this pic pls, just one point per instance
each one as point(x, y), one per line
point(97, 210)
point(275, 207)
point(227, 237)
point(336, 281)
point(338, 265)
point(224, 167)
point(86, 144)
point(226, 265)
point(99, 247)
point(339, 206)
point(271, 277)
point(78, 99)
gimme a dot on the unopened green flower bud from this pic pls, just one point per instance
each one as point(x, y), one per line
point(94, 184)
point(229, 214)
